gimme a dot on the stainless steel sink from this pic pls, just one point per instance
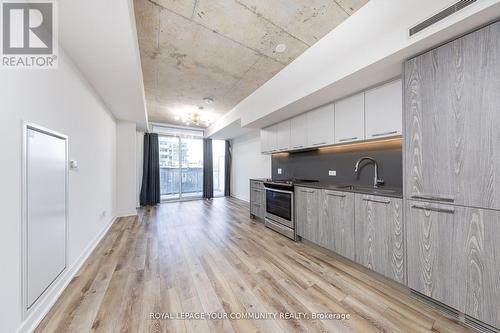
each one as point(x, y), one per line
point(367, 189)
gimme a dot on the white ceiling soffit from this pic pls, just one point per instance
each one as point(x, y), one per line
point(101, 39)
point(366, 49)
point(223, 50)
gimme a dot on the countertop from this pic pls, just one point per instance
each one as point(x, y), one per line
point(384, 191)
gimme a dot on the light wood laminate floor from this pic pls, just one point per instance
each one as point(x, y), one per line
point(210, 257)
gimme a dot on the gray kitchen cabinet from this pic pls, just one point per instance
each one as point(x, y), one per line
point(283, 135)
point(257, 199)
point(454, 257)
point(336, 227)
point(384, 110)
point(350, 119)
point(452, 117)
point(307, 212)
point(379, 235)
point(298, 132)
point(320, 126)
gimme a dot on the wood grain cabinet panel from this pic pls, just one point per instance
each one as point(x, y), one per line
point(452, 117)
point(257, 199)
point(336, 230)
point(454, 257)
point(307, 210)
point(379, 235)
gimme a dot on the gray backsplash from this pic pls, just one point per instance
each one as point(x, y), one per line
point(316, 164)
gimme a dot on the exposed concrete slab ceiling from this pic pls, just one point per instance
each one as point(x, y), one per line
point(365, 50)
point(223, 49)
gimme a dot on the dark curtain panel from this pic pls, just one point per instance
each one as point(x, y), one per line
point(227, 171)
point(208, 170)
point(150, 190)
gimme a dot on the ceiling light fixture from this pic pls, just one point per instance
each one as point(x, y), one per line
point(198, 118)
point(280, 48)
point(208, 100)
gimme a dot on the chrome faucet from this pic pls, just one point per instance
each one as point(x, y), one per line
point(376, 181)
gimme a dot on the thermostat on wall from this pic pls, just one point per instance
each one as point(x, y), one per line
point(73, 164)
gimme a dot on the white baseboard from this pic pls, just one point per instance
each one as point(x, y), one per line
point(45, 303)
point(242, 199)
point(126, 214)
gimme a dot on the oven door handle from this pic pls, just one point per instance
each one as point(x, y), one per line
point(275, 190)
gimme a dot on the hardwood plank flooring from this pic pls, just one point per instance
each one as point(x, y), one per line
point(210, 257)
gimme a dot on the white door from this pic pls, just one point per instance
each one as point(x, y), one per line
point(350, 119)
point(45, 232)
point(298, 132)
point(320, 126)
point(384, 110)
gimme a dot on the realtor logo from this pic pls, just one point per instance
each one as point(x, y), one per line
point(29, 32)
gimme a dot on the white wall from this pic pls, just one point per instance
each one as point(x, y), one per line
point(61, 101)
point(126, 170)
point(139, 166)
point(247, 163)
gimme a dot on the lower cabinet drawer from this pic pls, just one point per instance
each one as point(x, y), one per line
point(454, 257)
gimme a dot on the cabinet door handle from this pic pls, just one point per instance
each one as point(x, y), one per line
point(294, 147)
point(384, 133)
point(319, 143)
point(306, 191)
point(335, 195)
point(434, 197)
point(434, 209)
point(348, 139)
point(378, 201)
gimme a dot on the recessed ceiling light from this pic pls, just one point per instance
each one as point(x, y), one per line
point(280, 48)
point(208, 100)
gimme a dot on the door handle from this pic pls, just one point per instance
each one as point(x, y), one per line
point(384, 133)
point(348, 139)
point(319, 143)
point(434, 209)
point(294, 147)
point(434, 197)
point(335, 195)
point(378, 201)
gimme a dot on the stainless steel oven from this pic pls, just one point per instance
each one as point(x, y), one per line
point(279, 209)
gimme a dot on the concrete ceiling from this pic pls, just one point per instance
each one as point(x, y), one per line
point(223, 49)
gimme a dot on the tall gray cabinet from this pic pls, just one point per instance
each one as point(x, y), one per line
point(452, 173)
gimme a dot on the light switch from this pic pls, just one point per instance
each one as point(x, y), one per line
point(280, 171)
point(332, 173)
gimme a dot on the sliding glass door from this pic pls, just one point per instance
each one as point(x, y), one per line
point(219, 163)
point(181, 167)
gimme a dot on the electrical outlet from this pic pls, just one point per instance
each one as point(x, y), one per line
point(280, 171)
point(332, 173)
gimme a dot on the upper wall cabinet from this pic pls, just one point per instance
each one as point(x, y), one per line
point(383, 110)
point(452, 98)
point(298, 132)
point(350, 119)
point(364, 116)
point(320, 126)
point(282, 132)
